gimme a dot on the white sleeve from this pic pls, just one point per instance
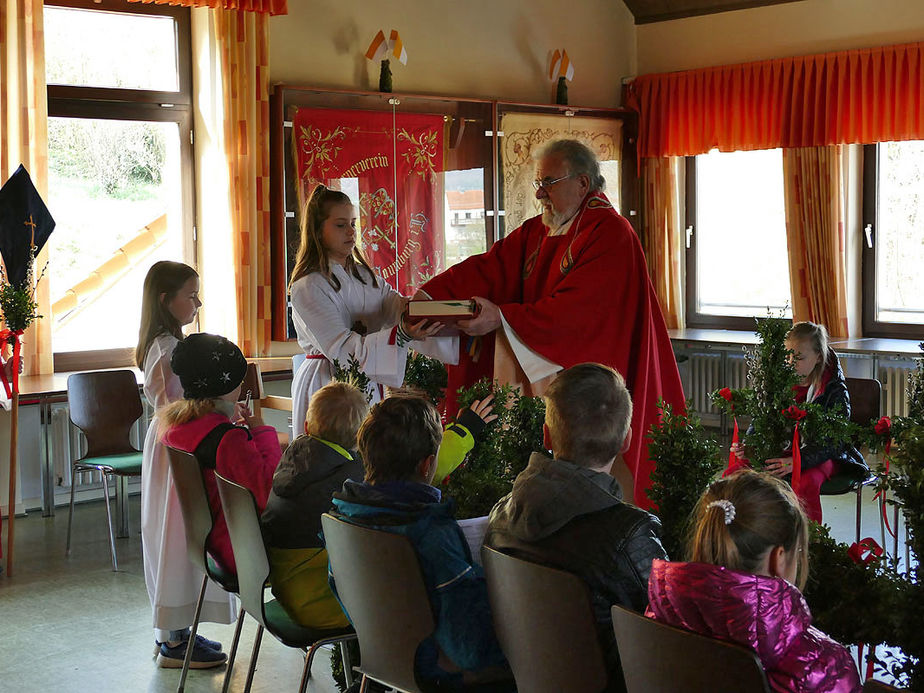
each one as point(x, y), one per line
point(445, 349)
point(317, 305)
point(161, 385)
point(534, 365)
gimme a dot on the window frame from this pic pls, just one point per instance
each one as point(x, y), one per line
point(694, 318)
point(107, 103)
point(871, 326)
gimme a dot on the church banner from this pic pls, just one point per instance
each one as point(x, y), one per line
point(396, 160)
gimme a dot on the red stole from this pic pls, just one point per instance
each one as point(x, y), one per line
point(583, 296)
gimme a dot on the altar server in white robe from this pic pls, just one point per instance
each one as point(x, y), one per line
point(170, 301)
point(341, 309)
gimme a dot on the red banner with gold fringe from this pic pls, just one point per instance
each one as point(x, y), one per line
point(394, 160)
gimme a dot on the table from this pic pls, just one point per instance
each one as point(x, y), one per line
point(47, 390)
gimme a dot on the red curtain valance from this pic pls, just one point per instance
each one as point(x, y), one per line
point(262, 6)
point(857, 96)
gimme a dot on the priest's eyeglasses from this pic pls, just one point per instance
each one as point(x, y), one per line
point(545, 183)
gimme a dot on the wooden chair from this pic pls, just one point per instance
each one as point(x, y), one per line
point(104, 405)
point(382, 589)
point(197, 522)
point(240, 509)
point(657, 657)
point(865, 405)
point(545, 624)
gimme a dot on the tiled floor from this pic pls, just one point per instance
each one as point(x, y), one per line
point(71, 624)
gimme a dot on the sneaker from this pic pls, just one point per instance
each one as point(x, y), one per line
point(201, 641)
point(202, 657)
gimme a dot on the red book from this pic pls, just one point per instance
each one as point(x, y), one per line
point(448, 312)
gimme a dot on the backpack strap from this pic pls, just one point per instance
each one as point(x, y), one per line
point(207, 449)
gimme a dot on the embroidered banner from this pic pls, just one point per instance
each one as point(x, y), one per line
point(396, 159)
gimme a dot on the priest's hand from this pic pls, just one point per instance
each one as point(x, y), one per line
point(487, 320)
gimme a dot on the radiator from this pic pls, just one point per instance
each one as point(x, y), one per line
point(705, 377)
point(894, 378)
point(68, 444)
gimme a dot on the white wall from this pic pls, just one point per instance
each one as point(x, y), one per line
point(466, 48)
point(791, 29)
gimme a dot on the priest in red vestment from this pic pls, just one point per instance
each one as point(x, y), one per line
point(567, 287)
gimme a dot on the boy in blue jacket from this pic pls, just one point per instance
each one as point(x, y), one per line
point(398, 443)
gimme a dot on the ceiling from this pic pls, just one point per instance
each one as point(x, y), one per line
point(648, 11)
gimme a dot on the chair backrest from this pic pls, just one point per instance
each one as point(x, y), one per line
point(656, 656)
point(105, 405)
point(545, 624)
point(194, 504)
point(865, 399)
point(243, 518)
point(874, 686)
point(380, 584)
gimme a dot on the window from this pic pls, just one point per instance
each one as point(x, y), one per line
point(893, 239)
point(737, 264)
point(120, 167)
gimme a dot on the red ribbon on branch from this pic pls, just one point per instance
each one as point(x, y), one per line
point(11, 337)
point(865, 551)
point(734, 462)
point(796, 414)
point(883, 427)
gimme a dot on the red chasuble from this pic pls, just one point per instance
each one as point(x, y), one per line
point(582, 296)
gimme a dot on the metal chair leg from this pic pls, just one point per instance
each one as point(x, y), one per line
point(882, 530)
point(253, 659)
point(70, 514)
point(859, 510)
point(190, 644)
point(112, 548)
point(347, 664)
point(895, 529)
point(233, 653)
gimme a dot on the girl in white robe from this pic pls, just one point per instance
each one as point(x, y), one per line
point(170, 301)
point(341, 309)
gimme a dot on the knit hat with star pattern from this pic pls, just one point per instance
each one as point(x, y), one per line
point(208, 366)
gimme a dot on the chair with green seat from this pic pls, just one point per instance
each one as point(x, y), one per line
point(865, 405)
point(240, 509)
point(104, 405)
point(198, 522)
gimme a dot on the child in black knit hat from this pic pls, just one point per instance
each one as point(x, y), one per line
point(211, 370)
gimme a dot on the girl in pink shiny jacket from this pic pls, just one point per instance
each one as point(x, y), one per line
point(748, 553)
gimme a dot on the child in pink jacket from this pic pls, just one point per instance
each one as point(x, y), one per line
point(211, 370)
point(748, 553)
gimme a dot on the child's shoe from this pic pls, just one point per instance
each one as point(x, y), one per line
point(201, 641)
point(202, 657)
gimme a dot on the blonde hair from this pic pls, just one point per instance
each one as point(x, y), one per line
point(335, 413)
point(312, 255)
point(588, 411)
point(182, 411)
point(817, 337)
point(766, 514)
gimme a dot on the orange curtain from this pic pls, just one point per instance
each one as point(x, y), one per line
point(814, 197)
point(663, 234)
point(857, 96)
point(24, 139)
point(262, 6)
point(243, 44)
